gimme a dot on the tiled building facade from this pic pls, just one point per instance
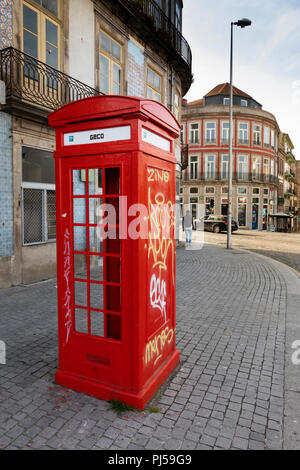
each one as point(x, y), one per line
point(57, 51)
point(6, 198)
point(6, 205)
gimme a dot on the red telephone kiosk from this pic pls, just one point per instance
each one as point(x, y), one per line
point(115, 196)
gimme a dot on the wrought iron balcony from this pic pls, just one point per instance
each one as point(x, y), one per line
point(223, 176)
point(152, 24)
point(34, 88)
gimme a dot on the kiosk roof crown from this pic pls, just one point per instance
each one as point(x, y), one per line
point(110, 106)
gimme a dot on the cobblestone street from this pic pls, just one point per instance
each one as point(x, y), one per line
point(236, 386)
point(284, 247)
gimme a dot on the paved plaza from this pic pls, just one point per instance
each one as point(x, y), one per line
point(284, 247)
point(236, 386)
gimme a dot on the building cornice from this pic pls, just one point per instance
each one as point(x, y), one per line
point(239, 112)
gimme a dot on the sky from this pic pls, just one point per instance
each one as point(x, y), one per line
point(266, 62)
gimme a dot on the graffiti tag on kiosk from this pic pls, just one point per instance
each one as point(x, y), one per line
point(156, 175)
point(67, 272)
point(162, 221)
point(155, 348)
point(158, 293)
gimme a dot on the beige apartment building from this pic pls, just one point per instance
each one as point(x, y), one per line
point(56, 51)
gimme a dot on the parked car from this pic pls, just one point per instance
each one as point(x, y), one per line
point(214, 223)
point(198, 223)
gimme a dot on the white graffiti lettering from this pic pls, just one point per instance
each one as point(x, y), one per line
point(67, 295)
point(158, 293)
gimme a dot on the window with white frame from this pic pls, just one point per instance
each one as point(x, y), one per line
point(194, 133)
point(244, 103)
point(256, 134)
point(210, 132)
point(38, 196)
point(256, 167)
point(243, 133)
point(224, 166)
point(266, 137)
point(110, 65)
point(225, 132)
point(182, 134)
point(272, 172)
point(242, 167)
point(266, 166)
point(210, 166)
point(154, 85)
point(193, 167)
point(272, 138)
point(226, 101)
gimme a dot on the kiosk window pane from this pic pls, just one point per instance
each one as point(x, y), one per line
point(95, 211)
point(111, 212)
point(112, 180)
point(97, 324)
point(79, 211)
point(113, 269)
point(113, 246)
point(113, 327)
point(80, 289)
point(78, 177)
point(113, 294)
point(79, 238)
point(80, 268)
point(96, 296)
point(81, 322)
point(95, 181)
point(96, 239)
point(96, 268)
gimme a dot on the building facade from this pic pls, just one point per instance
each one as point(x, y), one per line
point(56, 51)
point(205, 142)
point(288, 184)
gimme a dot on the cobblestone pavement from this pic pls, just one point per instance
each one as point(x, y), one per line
point(284, 247)
point(227, 392)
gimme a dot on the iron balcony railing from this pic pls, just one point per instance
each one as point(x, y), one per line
point(223, 176)
point(164, 27)
point(30, 81)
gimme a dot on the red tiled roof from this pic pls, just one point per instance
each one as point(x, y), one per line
point(224, 89)
point(195, 103)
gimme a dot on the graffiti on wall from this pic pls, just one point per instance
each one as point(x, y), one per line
point(67, 293)
point(158, 293)
point(161, 262)
point(155, 348)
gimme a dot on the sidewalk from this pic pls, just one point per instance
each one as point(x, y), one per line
point(236, 321)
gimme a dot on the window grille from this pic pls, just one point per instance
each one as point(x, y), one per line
point(39, 221)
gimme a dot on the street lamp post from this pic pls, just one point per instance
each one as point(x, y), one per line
point(242, 23)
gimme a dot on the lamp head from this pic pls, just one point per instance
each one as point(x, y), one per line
point(243, 22)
